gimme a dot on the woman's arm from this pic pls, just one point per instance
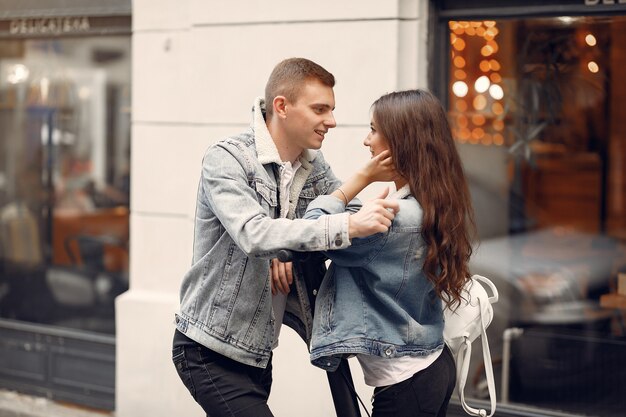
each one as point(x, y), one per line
point(379, 168)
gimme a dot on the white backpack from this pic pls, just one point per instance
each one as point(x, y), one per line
point(462, 326)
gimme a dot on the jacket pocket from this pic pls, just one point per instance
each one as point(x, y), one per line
point(326, 302)
point(310, 191)
point(182, 368)
point(267, 193)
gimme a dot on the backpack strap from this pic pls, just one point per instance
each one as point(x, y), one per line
point(466, 352)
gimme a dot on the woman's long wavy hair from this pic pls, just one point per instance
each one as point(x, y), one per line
point(416, 127)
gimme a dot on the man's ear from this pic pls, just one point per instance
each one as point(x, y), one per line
point(280, 106)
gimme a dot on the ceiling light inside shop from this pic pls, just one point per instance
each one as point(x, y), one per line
point(482, 84)
point(567, 20)
point(593, 67)
point(17, 74)
point(460, 89)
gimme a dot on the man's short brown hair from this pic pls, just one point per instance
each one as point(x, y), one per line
point(288, 78)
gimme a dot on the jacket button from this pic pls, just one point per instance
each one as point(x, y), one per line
point(258, 360)
point(338, 242)
point(388, 352)
point(314, 292)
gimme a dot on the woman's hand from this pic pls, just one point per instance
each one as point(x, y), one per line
point(379, 168)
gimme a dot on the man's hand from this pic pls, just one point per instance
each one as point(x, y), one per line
point(281, 276)
point(374, 217)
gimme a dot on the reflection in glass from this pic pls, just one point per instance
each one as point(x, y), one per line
point(541, 133)
point(64, 180)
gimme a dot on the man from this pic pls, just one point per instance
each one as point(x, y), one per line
point(253, 188)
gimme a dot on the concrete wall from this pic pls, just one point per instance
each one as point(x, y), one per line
point(197, 66)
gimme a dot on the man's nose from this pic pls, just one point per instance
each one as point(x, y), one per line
point(330, 121)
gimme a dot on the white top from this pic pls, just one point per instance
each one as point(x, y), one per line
point(379, 371)
point(279, 301)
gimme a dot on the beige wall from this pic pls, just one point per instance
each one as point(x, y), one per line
point(197, 66)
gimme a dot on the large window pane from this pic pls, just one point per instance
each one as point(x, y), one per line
point(537, 110)
point(64, 180)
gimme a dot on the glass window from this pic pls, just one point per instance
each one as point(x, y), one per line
point(64, 179)
point(537, 109)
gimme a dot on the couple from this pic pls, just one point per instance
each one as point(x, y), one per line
point(393, 258)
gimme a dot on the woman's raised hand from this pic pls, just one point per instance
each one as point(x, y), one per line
point(380, 168)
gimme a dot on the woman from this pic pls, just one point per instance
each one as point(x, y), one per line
point(382, 298)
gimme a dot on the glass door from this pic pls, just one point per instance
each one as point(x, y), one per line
point(535, 103)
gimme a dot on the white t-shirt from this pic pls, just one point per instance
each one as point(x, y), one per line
point(279, 301)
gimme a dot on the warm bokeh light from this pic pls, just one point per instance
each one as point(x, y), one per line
point(498, 139)
point(498, 125)
point(482, 84)
point(459, 62)
point(496, 92)
point(478, 119)
point(484, 65)
point(593, 67)
point(489, 23)
point(461, 105)
point(458, 44)
point(460, 89)
point(462, 121)
point(494, 65)
point(487, 139)
point(486, 50)
point(497, 109)
point(590, 39)
point(495, 77)
point(460, 74)
point(480, 102)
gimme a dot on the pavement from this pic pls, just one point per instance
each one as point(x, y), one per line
point(13, 404)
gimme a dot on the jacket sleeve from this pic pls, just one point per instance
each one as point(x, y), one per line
point(362, 250)
point(227, 193)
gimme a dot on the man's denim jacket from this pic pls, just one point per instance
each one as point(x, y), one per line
point(375, 298)
point(225, 297)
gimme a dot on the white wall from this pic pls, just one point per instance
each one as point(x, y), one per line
point(197, 66)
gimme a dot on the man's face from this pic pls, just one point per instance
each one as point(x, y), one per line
point(311, 116)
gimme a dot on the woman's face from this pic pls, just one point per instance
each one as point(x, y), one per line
point(375, 140)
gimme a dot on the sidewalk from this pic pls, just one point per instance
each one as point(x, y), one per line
point(13, 404)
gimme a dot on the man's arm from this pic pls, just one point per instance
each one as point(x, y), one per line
point(230, 197)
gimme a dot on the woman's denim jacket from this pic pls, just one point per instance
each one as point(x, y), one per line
point(375, 298)
point(225, 298)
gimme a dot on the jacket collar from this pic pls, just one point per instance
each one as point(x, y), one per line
point(401, 193)
point(265, 147)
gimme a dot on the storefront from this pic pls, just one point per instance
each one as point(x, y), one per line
point(535, 95)
point(64, 195)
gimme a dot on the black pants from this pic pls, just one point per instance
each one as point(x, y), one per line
point(222, 386)
point(425, 394)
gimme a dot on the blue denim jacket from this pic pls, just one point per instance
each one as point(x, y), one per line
point(225, 297)
point(375, 298)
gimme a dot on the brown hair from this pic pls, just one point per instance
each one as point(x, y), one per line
point(416, 127)
point(288, 78)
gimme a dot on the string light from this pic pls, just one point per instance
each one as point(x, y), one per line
point(482, 123)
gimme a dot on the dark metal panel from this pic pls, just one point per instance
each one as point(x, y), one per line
point(58, 363)
point(12, 9)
